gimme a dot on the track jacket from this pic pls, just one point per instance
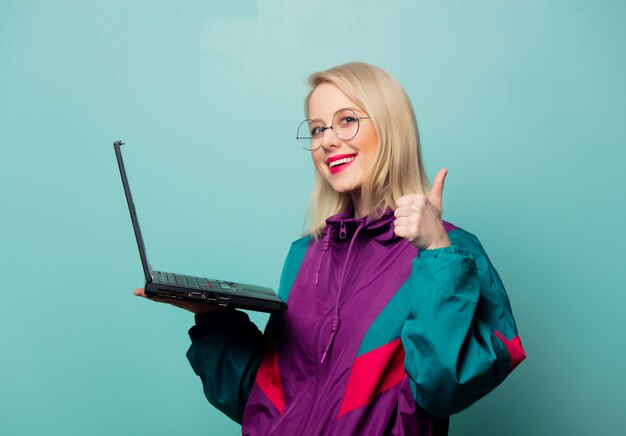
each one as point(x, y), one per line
point(378, 337)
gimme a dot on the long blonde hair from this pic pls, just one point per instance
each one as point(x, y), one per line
point(397, 169)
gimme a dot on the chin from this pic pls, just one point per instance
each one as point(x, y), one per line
point(344, 185)
point(344, 188)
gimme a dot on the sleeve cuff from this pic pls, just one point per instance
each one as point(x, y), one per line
point(220, 318)
point(436, 252)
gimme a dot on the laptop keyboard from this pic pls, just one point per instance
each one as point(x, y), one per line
point(195, 282)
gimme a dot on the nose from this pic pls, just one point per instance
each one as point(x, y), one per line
point(329, 139)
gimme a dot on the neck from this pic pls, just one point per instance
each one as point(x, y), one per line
point(359, 207)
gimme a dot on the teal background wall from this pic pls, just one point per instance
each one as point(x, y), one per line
point(523, 101)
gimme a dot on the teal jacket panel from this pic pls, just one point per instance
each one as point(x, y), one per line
point(460, 337)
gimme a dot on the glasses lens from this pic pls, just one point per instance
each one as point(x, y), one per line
point(309, 134)
point(345, 124)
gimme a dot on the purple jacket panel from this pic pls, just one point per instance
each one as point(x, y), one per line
point(378, 264)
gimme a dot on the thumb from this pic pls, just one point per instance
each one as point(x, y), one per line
point(437, 190)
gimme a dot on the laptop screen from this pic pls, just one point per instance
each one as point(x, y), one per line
point(133, 214)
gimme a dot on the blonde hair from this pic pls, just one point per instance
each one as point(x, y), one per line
point(397, 169)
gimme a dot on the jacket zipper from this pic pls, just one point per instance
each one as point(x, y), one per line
point(305, 429)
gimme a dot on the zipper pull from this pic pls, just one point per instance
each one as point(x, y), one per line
point(342, 230)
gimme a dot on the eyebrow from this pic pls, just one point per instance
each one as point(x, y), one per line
point(354, 109)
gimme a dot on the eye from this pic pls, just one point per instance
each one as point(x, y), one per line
point(316, 130)
point(347, 120)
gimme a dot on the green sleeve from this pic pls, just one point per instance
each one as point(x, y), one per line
point(226, 351)
point(460, 336)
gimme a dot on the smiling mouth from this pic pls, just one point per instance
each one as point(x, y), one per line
point(340, 164)
point(341, 161)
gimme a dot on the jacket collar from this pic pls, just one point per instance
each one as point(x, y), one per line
point(344, 229)
point(381, 228)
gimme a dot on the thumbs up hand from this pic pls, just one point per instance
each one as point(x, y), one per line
point(418, 217)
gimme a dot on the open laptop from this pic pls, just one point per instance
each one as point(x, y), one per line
point(179, 286)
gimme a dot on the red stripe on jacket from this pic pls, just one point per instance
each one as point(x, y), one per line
point(373, 373)
point(514, 346)
point(268, 379)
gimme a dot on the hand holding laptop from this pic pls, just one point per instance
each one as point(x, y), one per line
point(191, 306)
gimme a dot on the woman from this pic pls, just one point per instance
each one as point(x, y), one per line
point(396, 318)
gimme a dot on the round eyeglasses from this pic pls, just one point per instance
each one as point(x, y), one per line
point(345, 126)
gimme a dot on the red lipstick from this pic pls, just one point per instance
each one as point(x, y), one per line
point(337, 167)
point(339, 156)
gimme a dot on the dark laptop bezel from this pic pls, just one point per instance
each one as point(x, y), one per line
point(266, 301)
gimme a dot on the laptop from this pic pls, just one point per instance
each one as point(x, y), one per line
point(201, 289)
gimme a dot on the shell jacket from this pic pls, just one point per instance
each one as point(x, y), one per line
point(379, 338)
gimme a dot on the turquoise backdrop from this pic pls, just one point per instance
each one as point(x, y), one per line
point(523, 101)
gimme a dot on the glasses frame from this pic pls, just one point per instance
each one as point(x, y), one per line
point(324, 128)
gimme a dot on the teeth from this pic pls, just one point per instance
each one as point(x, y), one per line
point(341, 161)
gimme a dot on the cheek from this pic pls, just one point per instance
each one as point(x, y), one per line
point(369, 147)
point(319, 163)
point(367, 157)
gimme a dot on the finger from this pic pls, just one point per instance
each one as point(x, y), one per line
point(140, 292)
point(193, 307)
point(410, 200)
point(403, 211)
point(406, 200)
point(403, 222)
point(400, 231)
point(436, 193)
point(412, 210)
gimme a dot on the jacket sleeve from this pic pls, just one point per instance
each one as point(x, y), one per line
point(460, 339)
point(226, 351)
point(227, 348)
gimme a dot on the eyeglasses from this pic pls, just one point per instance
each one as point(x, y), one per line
point(345, 126)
